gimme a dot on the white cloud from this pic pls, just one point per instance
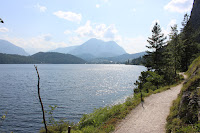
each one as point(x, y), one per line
point(105, 1)
point(180, 6)
point(41, 8)
point(167, 30)
point(108, 33)
point(3, 29)
point(85, 30)
point(172, 23)
point(70, 16)
point(134, 45)
point(66, 32)
point(47, 37)
point(76, 40)
point(97, 5)
point(100, 31)
point(133, 10)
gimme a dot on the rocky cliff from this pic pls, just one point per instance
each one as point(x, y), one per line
point(194, 21)
point(195, 15)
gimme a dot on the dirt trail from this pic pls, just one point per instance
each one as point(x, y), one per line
point(151, 118)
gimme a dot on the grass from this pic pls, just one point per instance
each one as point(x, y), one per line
point(60, 127)
point(183, 117)
point(194, 66)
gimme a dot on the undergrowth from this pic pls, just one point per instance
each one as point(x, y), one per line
point(183, 117)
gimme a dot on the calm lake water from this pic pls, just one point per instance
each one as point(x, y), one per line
point(75, 89)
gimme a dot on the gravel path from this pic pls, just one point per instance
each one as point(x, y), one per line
point(151, 118)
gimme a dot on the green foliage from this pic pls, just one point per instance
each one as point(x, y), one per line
point(45, 58)
point(104, 119)
point(57, 58)
point(174, 49)
point(148, 80)
point(55, 126)
point(178, 54)
point(153, 59)
point(161, 59)
point(183, 117)
point(136, 61)
point(60, 127)
point(189, 43)
point(194, 66)
point(16, 59)
point(149, 86)
point(51, 119)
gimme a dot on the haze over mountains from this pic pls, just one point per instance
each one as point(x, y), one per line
point(94, 48)
point(9, 48)
point(98, 51)
point(92, 51)
point(118, 59)
point(64, 50)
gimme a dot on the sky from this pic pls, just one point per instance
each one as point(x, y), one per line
point(43, 25)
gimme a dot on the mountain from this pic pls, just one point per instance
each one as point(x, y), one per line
point(64, 50)
point(195, 15)
point(118, 59)
point(98, 48)
point(93, 48)
point(57, 58)
point(125, 57)
point(86, 56)
point(194, 22)
point(41, 58)
point(9, 48)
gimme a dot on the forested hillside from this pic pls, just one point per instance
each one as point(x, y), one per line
point(41, 58)
point(16, 59)
point(57, 58)
point(184, 114)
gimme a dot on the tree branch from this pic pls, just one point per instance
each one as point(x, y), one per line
point(40, 98)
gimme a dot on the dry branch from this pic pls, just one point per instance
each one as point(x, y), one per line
point(40, 98)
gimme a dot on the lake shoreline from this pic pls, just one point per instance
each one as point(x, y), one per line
point(96, 86)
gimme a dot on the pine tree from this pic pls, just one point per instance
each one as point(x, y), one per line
point(154, 57)
point(168, 68)
point(187, 43)
point(185, 21)
point(174, 47)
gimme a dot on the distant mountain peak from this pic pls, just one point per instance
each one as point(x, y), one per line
point(94, 48)
point(99, 40)
point(8, 48)
point(99, 48)
point(92, 40)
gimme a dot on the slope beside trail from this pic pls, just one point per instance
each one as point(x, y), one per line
point(151, 118)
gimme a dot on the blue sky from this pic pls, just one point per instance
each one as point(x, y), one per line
point(42, 25)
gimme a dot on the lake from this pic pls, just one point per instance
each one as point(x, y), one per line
point(75, 89)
